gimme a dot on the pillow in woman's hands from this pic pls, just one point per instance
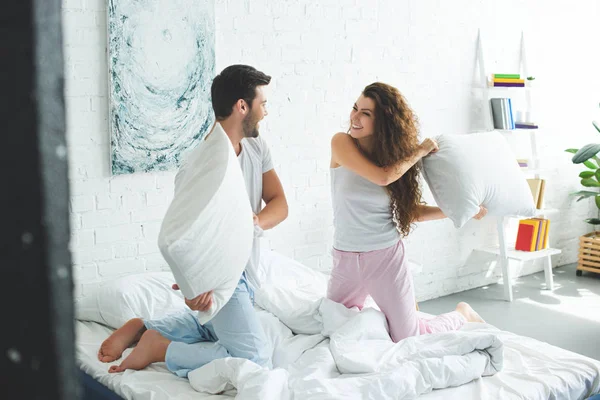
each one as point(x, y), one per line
point(477, 169)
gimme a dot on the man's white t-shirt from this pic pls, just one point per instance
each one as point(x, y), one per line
point(255, 160)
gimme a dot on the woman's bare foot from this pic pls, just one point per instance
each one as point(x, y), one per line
point(467, 311)
point(113, 347)
point(151, 348)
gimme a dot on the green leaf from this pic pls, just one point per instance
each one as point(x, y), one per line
point(590, 182)
point(593, 221)
point(587, 174)
point(585, 153)
point(586, 193)
point(597, 199)
point(597, 174)
point(573, 151)
point(596, 126)
point(590, 164)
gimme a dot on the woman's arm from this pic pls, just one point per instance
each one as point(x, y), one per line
point(344, 152)
point(429, 213)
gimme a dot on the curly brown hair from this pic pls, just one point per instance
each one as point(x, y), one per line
point(395, 138)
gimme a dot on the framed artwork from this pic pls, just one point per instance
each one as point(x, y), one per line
point(161, 58)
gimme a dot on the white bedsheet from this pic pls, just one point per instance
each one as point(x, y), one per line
point(307, 366)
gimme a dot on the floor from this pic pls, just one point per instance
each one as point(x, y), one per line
point(567, 317)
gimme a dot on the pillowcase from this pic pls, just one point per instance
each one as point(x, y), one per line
point(477, 169)
point(114, 302)
point(207, 233)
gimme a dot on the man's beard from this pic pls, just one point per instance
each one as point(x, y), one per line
point(249, 126)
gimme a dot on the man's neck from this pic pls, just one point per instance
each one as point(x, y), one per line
point(235, 133)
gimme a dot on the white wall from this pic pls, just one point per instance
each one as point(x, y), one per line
point(321, 54)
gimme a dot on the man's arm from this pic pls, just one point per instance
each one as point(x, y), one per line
point(276, 208)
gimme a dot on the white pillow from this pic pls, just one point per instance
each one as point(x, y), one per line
point(477, 169)
point(114, 302)
point(206, 236)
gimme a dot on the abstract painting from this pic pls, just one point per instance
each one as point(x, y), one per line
point(161, 65)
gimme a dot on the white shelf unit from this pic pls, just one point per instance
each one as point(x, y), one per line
point(513, 254)
point(503, 251)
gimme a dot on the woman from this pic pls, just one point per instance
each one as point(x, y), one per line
point(376, 199)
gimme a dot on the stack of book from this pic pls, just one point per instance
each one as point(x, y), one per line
point(538, 187)
point(523, 163)
point(507, 80)
point(532, 234)
point(525, 125)
point(502, 113)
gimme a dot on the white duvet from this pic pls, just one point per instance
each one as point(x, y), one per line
point(358, 344)
point(338, 353)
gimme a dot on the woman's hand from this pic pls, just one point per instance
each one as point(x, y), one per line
point(482, 213)
point(428, 146)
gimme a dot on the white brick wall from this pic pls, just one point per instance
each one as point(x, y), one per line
point(321, 54)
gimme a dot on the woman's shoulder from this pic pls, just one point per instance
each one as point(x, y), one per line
point(341, 138)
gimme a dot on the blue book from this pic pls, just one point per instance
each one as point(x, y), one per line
point(510, 112)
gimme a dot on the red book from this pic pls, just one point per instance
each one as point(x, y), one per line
point(524, 237)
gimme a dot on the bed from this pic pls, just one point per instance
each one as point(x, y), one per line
point(314, 359)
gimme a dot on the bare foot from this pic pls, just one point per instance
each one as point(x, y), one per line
point(113, 347)
point(151, 348)
point(468, 312)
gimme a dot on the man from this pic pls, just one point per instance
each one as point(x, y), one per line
point(239, 102)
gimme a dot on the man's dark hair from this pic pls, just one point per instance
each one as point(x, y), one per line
point(233, 83)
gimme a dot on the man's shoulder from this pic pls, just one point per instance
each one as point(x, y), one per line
point(257, 144)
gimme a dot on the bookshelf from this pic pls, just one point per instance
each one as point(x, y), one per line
point(504, 250)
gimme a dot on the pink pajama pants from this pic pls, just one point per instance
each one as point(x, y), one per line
point(384, 275)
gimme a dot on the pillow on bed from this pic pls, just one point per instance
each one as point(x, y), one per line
point(114, 302)
point(477, 169)
point(207, 233)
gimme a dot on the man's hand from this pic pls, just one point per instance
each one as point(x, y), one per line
point(482, 213)
point(201, 302)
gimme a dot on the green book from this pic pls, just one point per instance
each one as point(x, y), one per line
point(507, 76)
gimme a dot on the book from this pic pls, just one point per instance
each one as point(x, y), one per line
point(501, 80)
point(540, 202)
point(545, 233)
point(501, 113)
point(520, 125)
point(510, 113)
point(540, 238)
point(535, 234)
point(507, 76)
point(545, 244)
point(503, 84)
point(523, 163)
point(535, 185)
point(524, 237)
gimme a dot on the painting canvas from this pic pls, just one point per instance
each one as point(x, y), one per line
point(161, 65)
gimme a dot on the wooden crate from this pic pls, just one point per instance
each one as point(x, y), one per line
point(589, 253)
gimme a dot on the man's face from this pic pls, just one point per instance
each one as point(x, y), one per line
point(258, 111)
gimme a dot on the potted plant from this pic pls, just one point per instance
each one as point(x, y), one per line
point(589, 244)
point(529, 81)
